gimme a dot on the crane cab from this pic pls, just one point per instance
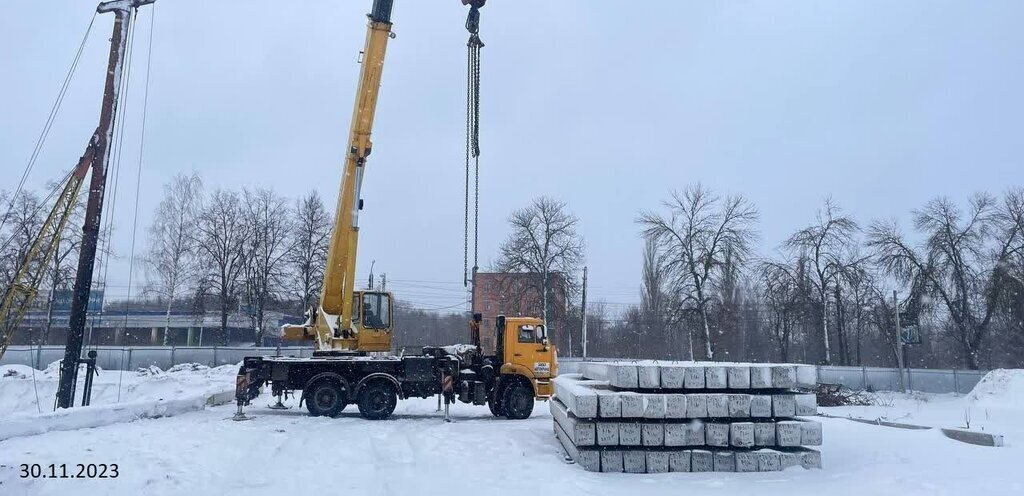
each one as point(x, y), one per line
point(373, 320)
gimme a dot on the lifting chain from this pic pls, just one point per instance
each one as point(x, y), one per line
point(472, 136)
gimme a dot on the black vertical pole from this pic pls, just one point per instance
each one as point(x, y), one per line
point(90, 230)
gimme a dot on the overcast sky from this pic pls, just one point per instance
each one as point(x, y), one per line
point(607, 105)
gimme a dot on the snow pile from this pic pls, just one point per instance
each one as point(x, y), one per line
point(1000, 388)
point(26, 424)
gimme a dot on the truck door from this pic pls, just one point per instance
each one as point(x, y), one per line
point(529, 349)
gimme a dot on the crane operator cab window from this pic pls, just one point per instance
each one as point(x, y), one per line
point(377, 310)
point(532, 334)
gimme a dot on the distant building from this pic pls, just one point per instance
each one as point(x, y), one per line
point(513, 295)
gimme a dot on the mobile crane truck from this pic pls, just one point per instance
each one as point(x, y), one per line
point(349, 324)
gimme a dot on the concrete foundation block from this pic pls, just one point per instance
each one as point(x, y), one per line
point(764, 433)
point(760, 405)
point(783, 376)
point(761, 377)
point(654, 406)
point(746, 461)
point(718, 405)
point(634, 462)
point(806, 376)
point(607, 433)
point(715, 378)
point(702, 461)
point(716, 434)
point(739, 377)
point(632, 404)
point(673, 376)
point(617, 374)
point(697, 405)
point(694, 378)
point(768, 461)
point(741, 434)
point(739, 405)
point(696, 433)
point(611, 461)
point(580, 399)
point(629, 434)
point(677, 434)
point(590, 460)
point(788, 459)
point(788, 433)
point(609, 404)
point(675, 406)
point(580, 432)
point(806, 404)
point(810, 458)
point(657, 462)
point(810, 433)
point(649, 376)
point(783, 405)
point(725, 461)
point(652, 434)
point(679, 461)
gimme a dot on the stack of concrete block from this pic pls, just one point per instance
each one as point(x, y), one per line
point(650, 417)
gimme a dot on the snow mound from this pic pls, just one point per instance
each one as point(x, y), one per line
point(1000, 387)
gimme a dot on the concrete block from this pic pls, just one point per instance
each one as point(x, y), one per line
point(764, 433)
point(672, 376)
point(611, 461)
point(590, 460)
point(810, 458)
point(629, 434)
point(760, 377)
point(806, 376)
point(783, 376)
point(679, 461)
point(725, 461)
point(617, 374)
point(739, 405)
point(718, 405)
point(652, 434)
point(806, 404)
point(634, 462)
point(974, 437)
point(694, 378)
point(677, 434)
point(576, 396)
point(697, 405)
point(760, 405)
point(632, 404)
point(715, 378)
point(789, 459)
point(657, 462)
point(649, 376)
point(607, 434)
point(696, 431)
point(609, 404)
point(580, 432)
point(783, 405)
point(741, 434)
point(810, 433)
point(768, 461)
point(716, 434)
point(702, 461)
point(675, 406)
point(746, 461)
point(654, 406)
point(788, 433)
point(739, 377)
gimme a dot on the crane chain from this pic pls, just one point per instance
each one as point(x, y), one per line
point(472, 144)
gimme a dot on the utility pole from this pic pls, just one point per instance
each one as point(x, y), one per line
point(99, 147)
point(384, 281)
point(899, 340)
point(584, 311)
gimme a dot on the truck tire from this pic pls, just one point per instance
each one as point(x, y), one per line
point(325, 398)
point(517, 401)
point(377, 400)
point(494, 402)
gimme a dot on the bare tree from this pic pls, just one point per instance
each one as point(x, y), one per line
point(172, 243)
point(267, 216)
point(652, 289)
point(696, 235)
point(543, 241)
point(311, 231)
point(825, 243)
point(961, 262)
point(223, 231)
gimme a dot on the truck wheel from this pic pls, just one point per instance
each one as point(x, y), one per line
point(494, 402)
point(377, 400)
point(325, 398)
point(518, 401)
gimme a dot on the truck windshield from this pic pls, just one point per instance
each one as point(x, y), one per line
point(376, 310)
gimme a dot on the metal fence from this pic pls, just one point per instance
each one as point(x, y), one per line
point(870, 378)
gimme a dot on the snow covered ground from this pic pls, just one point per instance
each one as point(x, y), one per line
point(287, 452)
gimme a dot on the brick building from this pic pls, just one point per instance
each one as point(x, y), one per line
point(514, 295)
